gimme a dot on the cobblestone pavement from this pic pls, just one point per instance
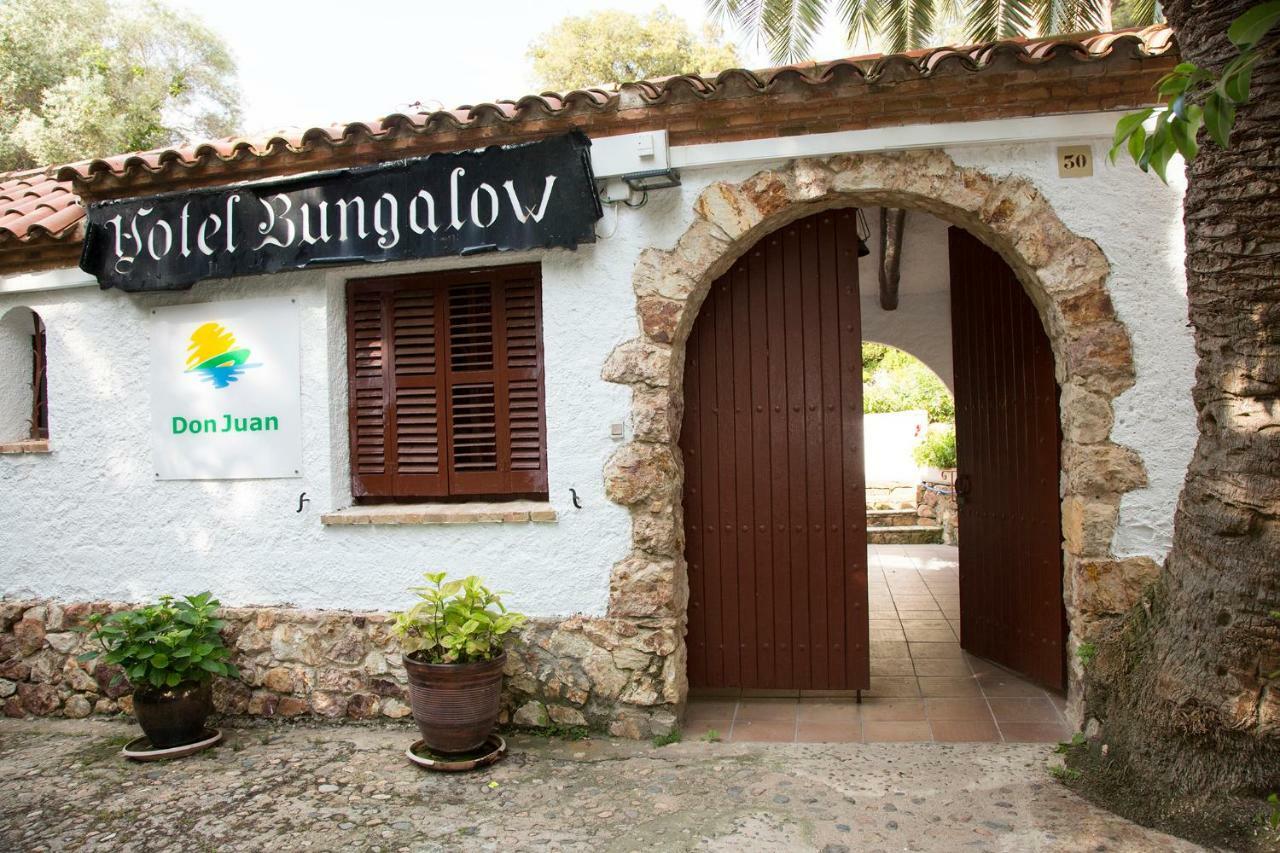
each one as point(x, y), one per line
point(63, 786)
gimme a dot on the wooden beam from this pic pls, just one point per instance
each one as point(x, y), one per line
point(892, 225)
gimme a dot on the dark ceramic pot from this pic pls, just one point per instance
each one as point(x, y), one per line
point(173, 716)
point(455, 704)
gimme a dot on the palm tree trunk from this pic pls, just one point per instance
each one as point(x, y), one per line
point(1187, 690)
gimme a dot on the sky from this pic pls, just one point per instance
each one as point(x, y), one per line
point(316, 63)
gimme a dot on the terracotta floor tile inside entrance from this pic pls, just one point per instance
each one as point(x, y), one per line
point(923, 685)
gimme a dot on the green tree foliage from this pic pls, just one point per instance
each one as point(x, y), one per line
point(938, 450)
point(609, 47)
point(788, 27)
point(1198, 98)
point(91, 78)
point(895, 381)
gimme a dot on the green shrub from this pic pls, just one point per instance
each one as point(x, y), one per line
point(938, 450)
point(896, 381)
point(460, 621)
point(163, 644)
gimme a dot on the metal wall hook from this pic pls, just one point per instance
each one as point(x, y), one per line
point(302, 499)
point(577, 504)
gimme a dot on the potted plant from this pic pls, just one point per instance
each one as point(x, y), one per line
point(169, 651)
point(938, 452)
point(451, 641)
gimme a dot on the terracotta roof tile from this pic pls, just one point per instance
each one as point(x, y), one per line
point(35, 206)
point(42, 208)
point(735, 82)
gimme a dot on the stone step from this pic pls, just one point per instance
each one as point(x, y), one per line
point(915, 534)
point(892, 517)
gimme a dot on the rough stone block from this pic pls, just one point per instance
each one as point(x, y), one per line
point(643, 586)
point(724, 206)
point(532, 713)
point(1111, 587)
point(30, 634)
point(640, 471)
point(566, 716)
point(77, 707)
point(39, 699)
point(1088, 526)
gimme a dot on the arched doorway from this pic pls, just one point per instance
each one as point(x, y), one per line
point(1064, 274)
point(774, 502)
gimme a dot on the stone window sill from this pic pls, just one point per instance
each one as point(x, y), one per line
point(31, 445)
point(501, 512)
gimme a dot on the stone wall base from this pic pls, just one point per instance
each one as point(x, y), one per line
point(618, 675)
point(937, 502)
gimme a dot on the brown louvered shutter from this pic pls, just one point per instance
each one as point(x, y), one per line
point(367, 405)
point(447, 385)
point(418, 382)
point(496, 425)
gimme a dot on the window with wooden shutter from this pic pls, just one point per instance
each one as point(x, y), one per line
point(446, 385)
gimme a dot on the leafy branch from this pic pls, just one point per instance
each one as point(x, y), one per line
point(458, 621)
point(1195, 97)
point(164, 644)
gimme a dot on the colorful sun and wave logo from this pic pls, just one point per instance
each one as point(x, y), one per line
point(214, 357)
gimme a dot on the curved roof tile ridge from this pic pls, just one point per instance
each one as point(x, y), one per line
point(732, 82)
point(33, 205)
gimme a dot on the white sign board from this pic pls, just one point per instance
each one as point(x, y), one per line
point(225, 390)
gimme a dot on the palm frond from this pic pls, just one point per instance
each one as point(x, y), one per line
point(990, 20)
point(1143, 12)
point(746, 15)
point(907, 24)
point(859, 18)
point(1080, 15)
point(789, 27)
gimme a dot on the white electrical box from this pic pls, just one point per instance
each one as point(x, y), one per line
point(612, 156)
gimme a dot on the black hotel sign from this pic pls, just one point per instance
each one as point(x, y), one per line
point(537, 195)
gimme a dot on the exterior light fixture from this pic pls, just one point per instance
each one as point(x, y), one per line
point(864, 234)
point(657, 179)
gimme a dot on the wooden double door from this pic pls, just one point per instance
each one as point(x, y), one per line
point(1008, 441)
point(775, 501)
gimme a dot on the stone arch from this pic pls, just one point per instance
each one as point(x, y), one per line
point(1064, 274)
point(19, 327)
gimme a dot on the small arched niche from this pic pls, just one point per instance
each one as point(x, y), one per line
point(24, 410)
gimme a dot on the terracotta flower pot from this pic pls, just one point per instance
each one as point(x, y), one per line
point(455, 704)
point(173, 716)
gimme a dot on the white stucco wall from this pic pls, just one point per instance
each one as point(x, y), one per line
point(921, 324)
point(89, 521)
point(1137, 222)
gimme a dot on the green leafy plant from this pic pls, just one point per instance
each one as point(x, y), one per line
point(1271, 820)
point(938, 450)
point(163, 645)
point(1065, 774)
point(1064, 747)
point(1196, 97)
point(1085, 652)
point(669, 738)
point(711, 736)
point(458, 621)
